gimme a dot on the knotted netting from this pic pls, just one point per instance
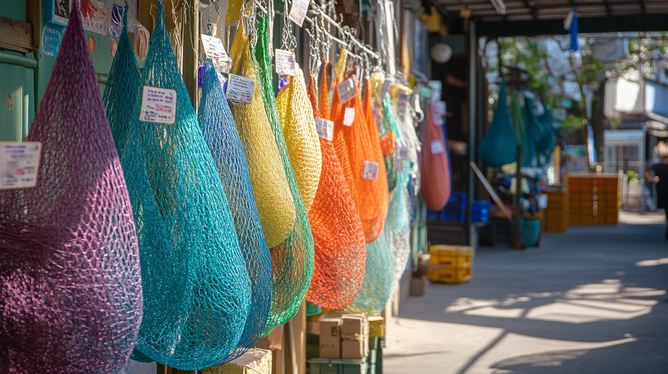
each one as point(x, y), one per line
point(378, 283)
point(406, 126)
point(293, 259)
point(387, 132)
point(338, 235)
point(272, 192)
point(70, 282)
point(296, 118)
point(436, 183)
point(521, 132)
point(220, 134)
point(499, 145)
point(122, 88)
point(360, 146)
point(197, 292)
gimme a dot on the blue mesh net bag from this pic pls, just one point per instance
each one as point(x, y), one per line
point(122, 88)
point(197, 292)
point(499, 145)
point(292, 258)
point(70, 285)
point(220, 133)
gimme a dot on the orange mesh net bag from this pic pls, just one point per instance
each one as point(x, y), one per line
point(435, 171)
point(366, 177)
point(338, 235)
point(298, 125)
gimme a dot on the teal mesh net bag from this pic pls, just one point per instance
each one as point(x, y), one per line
point(293, 259)
point(541, 135)
point(521, 134)
point(220, 134)
point(549, 120)
point(197, 292)
point(122, 88)
point(499, 145)
point(70, 282)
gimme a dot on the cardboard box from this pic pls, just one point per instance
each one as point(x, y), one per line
point(330, 337)
point(354, 337)
point(254, 361)
point(419, 286)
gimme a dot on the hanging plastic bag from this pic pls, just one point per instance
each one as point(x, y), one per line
point(220, 134)
point(360, 145)
point(70, 285)
point(197, 293)
point(272, 192)
point(292, 259)
point(296, 116)
point(436, 183)
point(338, 234)
point(499, 145)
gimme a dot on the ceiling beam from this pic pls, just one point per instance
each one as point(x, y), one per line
point(642, 6)
point(532, 10)
point(607, 7)
point(628, 23)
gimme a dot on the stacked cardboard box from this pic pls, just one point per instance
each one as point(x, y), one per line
point(344, 343)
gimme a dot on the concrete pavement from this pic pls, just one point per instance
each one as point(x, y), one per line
point(592, 300)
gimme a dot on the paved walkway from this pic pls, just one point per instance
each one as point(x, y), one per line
point(592, 300)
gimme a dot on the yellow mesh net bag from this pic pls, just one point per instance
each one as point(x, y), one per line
point(296, 116)
point(272, 192)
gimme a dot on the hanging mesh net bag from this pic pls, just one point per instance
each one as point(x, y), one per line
point(521, 132)
point(378, 283)
point(197, 293)
point(406, 126)
point(293, 259)
point(548, 119)
point(498, 146)
point(220, 134)
point(70, 282)
point(359, 147)
point(541, 136)
point(338, 235)
point(436, 184)
point(324, 96)
point(388, 135)
point(296, 118)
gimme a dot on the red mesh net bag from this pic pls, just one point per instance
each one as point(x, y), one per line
point(366, 177)
point(338, 235)
point(435, 173)
point(70, 281)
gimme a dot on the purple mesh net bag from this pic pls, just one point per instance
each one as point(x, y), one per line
point(70, 284)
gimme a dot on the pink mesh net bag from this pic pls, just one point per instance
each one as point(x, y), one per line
point(70, 282)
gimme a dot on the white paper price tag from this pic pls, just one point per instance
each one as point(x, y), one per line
point(437, 147)
point(370, 171)
point(285, 63)
point(19, 163)
point(158, 105)
point(240, 89)
point(384, 89)
point(213, 47)
point(347, 90)
point(349, 116)
point(298, 11)
point(402, 104)
point(325, 128)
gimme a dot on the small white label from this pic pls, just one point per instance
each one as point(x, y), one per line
point(384, 89)
point(158, 105)
point(19, 163)
point(285, 63)
point(325, 128)
point(240, 89)
point(347, 90)
point(403, 104)
point(370, 170)
point(298, 11)
point(213, 47)
point(349, 116)
point(437, 147)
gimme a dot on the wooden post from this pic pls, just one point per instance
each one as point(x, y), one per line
point(191, 50)
point(519, 210)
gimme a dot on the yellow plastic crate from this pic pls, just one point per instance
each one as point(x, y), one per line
point(451, 255)
point(450, 275)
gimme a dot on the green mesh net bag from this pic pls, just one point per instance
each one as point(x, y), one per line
point(197, 292)
point(293, 259)
point(220, 134)
point(499, 145)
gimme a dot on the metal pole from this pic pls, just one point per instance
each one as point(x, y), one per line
point(191, 50)
point(473, 47)
point(519, 211)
